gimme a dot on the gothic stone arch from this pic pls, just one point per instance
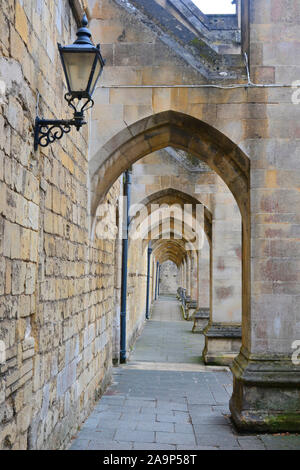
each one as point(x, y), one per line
point(259, 399)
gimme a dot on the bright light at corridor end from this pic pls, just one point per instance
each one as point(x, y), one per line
point(215, 6)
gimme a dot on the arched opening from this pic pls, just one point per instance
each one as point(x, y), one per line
point(169, 275)
point(186, 232)
point(173, 129)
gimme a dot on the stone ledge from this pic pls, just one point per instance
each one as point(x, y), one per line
point(191, 304)
point(265, 395)
point(202, 313)
point(253, 421)
point(219, 358)
point(219, 330)
point(199, 52)
point(265, 371)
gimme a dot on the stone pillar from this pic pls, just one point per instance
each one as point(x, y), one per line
point(180, 275)
point(188, 276)
point(117, 289)
point(202, 310)
point(223, 333)
point(184, 274)
point(153, 278)
point(198, 279)
point(191, 303)
point(193, 288)
point(266, 373)
point(203, 276)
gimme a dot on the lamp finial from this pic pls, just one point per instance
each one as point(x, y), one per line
point(84, 21)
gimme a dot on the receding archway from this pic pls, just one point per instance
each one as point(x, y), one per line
point(172, 197)
point(171, 129)
point(178, 130)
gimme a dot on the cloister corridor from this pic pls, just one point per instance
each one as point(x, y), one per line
point(165, 398)
point(149, 185)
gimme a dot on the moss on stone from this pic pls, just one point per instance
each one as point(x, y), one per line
point(283, 422)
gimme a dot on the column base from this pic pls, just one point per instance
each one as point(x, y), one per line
point(222, 343)
point(201, 319)
point(266, 394)
point(191, 306)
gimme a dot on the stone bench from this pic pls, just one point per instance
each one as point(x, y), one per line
point(201, 318)
point(190, 307)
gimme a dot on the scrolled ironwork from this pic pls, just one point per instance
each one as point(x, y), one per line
point(72, 98)
point(47, 131)
point(52, 133)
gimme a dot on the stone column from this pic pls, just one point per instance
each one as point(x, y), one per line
point(188, 276)
point(266, 373)
point(202, 310)
point(153, 278)
point(193, 288)
point(198, 279)
point(117, 289)
point(180, 276)
point(223, 333)
point(203, 276)
point(191, 303)
point(184, 274)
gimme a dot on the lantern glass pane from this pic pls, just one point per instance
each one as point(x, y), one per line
point(96, 76)
point(78, 68)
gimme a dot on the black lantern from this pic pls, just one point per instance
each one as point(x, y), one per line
point(82, 64)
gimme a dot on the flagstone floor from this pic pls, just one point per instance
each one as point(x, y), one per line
point(165, 398)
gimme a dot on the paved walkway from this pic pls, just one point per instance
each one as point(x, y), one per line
point(166, 399)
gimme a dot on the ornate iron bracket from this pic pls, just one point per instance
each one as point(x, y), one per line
point(47, 131)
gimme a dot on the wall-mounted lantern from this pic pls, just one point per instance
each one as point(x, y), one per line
point(82, 64)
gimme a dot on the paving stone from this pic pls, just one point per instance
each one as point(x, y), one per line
point(90, 423)
point(113, 400)
point(155, 426)
point(210, 420)
point(200, 410)
point(138, 418)
point(170, 418)
point(184, 428)
point(175, 438)
point(108, 416)
point(202, 420)
point(95, 445)
point(130, 425)
point(148, 411)
point(148, 446)
point(137, 414)
point(219, 440)
point(169, 405)
point(107, 407)
point(104, 434)
point(196, 448)
point(80, 444)
point(154, 409)
point(135, 436)
point(251, 443)
point(213, 429)
point(281, 442)
point(224, 409)
point(142, 401)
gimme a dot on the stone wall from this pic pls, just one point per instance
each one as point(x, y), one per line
point(254, 126)
point(169, 281)
point(56, 286)
point(60, 284)
point(137, 284)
